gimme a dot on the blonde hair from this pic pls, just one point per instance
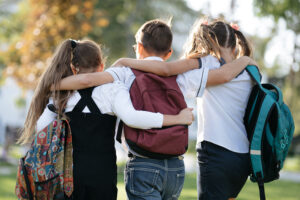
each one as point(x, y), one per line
point(207, 38)
point(82, 55)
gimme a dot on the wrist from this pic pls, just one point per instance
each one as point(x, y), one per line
point(179, 119)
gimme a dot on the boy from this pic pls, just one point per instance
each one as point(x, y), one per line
point(148, 178)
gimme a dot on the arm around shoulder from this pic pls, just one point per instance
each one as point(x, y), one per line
point(228, 71)
point(86, 80)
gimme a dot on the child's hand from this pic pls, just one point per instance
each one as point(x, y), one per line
point(118, 63)
point(186, 116)
point(252, 62)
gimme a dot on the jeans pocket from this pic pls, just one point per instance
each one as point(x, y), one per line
point(142, 180)
point(179, 184)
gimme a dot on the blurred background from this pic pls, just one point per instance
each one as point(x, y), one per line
point(30, 30)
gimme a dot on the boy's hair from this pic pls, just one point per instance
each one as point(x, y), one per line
point(156, 36)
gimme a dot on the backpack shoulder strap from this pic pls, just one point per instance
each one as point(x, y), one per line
point(254, 73)
point(86, 100)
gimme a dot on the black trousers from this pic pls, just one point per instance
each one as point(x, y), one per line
point(222, 173)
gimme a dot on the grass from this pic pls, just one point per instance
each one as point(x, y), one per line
point(292, 164)
point(277, 190)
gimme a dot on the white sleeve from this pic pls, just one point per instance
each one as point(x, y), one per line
point(192, 83)
point(45, 119)
point(123, 108)
point(210, 62)
point(123, 74)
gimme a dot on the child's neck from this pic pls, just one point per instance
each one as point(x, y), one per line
point(150, 55)
point(227, 55)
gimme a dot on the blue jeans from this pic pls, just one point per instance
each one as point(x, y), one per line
point(152, 179)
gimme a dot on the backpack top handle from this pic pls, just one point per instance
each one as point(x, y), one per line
point(256, 76)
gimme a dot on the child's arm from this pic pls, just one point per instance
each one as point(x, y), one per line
point(218, 76)
point(123, 108)
point(228, 71)
point(185, 117)
point(86, 80)
point(159, 67)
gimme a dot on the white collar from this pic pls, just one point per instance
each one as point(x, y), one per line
point(154, 58)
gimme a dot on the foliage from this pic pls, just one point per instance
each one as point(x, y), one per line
point(288, 10)
point(40, 25)
point(46, 25)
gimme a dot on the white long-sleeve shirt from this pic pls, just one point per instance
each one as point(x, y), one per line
point(112, 99)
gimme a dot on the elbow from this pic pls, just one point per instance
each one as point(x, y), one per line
point(226, 79)
point(129, 121)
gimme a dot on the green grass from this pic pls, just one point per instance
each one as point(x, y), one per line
point(277, 190)
point(292, 163)
point(8, 182)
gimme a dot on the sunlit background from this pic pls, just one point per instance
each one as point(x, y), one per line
point(30, 30)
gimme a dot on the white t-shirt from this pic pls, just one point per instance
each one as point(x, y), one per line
point(221, 111)
point(112, 99)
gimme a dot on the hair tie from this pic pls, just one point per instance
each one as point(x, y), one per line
point(235, 26)
point(73, 44)
point(204, 23)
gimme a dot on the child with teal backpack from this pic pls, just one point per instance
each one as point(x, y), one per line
point(229, 124)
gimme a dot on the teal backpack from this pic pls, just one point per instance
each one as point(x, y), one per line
point(270, 129)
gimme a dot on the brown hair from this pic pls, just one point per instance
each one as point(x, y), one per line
point(82, 55)
point(156, 36)
point(207, 39)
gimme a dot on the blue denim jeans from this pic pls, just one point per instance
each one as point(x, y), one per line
point(152, 179)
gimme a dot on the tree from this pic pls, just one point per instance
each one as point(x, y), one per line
point(287, 10)
point(47, 23)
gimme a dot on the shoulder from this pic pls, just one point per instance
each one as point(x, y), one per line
point(120, 73)
point(109, 88)
point(105, 95)
point(210, 62)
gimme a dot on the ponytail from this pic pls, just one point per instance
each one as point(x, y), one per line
point(202, 42)
point(57, 70)
point(244, 47)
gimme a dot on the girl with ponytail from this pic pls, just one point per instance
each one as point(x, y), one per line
point(91, 113)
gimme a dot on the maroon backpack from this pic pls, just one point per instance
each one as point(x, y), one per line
point(153, 93)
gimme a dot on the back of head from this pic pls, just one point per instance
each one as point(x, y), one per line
point(156, 37)
point(83, 55)
point(208, 38)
